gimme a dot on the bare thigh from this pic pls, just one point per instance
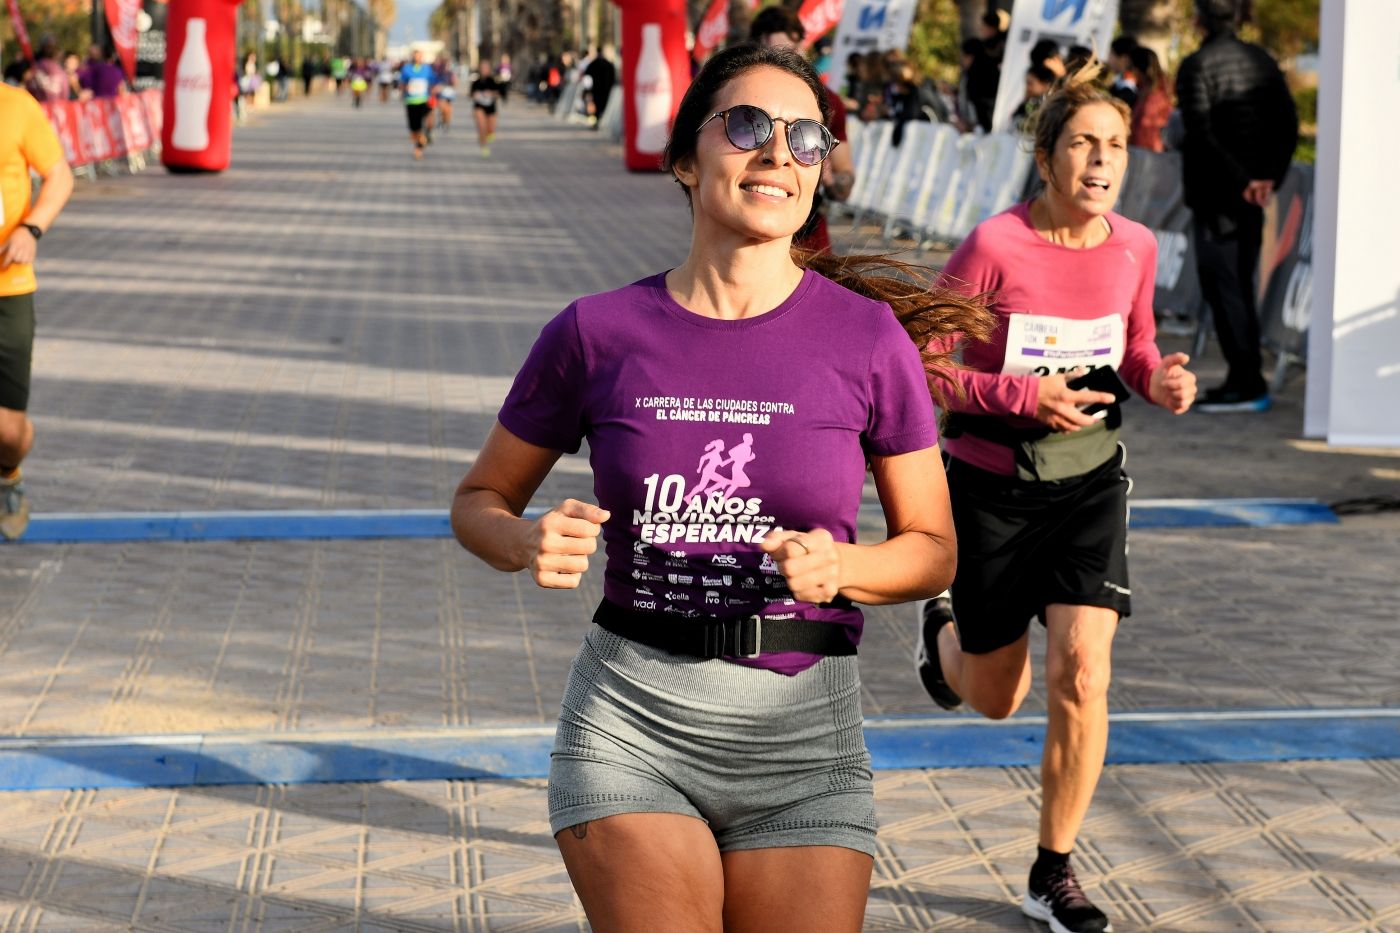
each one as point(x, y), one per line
point(643, 872)
point(816, 889)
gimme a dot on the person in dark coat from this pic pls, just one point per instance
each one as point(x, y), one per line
point(1241, 128)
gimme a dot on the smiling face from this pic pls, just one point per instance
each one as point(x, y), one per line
point(764, 194)
point(1085, 171)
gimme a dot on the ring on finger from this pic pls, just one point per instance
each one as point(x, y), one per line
point(797, 539)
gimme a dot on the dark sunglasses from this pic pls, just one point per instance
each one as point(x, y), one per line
point(749, 128)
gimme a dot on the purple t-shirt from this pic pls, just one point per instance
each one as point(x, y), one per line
point(705, 435)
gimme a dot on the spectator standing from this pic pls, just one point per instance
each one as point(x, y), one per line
point(308, 74)
point(101, 76)
point(601, 75)
point(780, 27)
point(72, 66)
point(27, 144)
point(709, 770)
point(48, 81)
point(503, 76)
point(1241, 128)
point(1154, 100)
point(1125, 77)
point(984, 73)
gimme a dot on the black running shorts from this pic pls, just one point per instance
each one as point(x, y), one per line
point(16, 350)
point(1025, 545)
point(417, 113)
point(488, 109)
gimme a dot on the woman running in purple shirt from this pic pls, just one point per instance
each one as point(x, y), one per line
point(709, 770)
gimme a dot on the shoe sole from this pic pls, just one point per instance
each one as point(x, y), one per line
point(1219, 408)
point(1034, 909)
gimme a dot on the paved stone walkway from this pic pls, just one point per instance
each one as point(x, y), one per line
point(330, 325)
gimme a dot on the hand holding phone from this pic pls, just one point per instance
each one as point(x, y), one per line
point(1101, 379)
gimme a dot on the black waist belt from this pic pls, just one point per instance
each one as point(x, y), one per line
point(738, 637)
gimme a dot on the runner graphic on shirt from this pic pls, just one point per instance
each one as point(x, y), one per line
point(711, 480)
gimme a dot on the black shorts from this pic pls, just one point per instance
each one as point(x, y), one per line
point(16, 350)
point(1025, 545)
point(488, 109)
point(417, 113)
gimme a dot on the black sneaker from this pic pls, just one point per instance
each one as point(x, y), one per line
point(933, 615)
point(1225, 399)
point(1062, 904)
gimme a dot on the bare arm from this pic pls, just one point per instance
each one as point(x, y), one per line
point(917, 559)
point(56, 189)
point(493, 495)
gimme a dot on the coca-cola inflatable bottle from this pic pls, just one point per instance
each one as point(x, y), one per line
point(199, 88)
point(655, 74)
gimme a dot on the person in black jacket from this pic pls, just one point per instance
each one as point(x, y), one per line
point(1241, 130)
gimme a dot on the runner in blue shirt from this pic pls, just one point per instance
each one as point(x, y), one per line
point(416, 81)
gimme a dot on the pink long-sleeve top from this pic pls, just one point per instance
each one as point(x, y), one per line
point(1057, 308)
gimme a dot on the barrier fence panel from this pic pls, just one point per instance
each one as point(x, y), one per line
point(871, 175)
point(910, 214)
point(99, 130)
point(904, 173)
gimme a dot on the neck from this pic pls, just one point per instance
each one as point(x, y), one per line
point(730, 277)
point(1065, 226)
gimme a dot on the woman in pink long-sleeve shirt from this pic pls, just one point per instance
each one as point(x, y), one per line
point(1037, 484)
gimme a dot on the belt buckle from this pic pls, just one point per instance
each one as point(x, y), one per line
point(726, 638)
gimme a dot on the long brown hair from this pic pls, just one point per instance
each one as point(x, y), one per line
point(935, 317)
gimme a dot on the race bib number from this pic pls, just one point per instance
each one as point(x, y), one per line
point(417, 87)
point(1039, 345)
point(484, 99)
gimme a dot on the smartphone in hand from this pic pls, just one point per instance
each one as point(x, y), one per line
point(1101, 379)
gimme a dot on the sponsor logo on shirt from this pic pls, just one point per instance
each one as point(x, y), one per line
point(677, 597)
point(643, 575)
point(647, 604)
point(680, 579)
point(724, 560)
point(725, 580)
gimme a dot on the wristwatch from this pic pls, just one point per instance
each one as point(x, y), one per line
point(35, 230)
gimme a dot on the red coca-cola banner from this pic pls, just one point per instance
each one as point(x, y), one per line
point(818, 18)
point(21, 33)
point(121, 17)
point(714, 27)
point(109, 128)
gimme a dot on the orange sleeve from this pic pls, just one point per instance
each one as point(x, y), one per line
point(39, 143)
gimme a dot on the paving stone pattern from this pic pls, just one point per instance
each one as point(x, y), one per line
point(330, 325)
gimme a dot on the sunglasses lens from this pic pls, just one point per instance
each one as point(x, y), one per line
point(809, 141)
point(747, 127)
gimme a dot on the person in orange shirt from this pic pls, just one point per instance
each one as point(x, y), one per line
point(27, 142)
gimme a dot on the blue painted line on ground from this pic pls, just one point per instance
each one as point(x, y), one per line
point(302, 525)
point(1165, 738)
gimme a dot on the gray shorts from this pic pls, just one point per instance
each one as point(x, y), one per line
point(765, 759)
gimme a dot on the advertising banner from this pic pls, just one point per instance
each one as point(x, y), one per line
point(869, 26)
point(150, 45)
point(1154, 195)
point(1068, 22)
point(121, 20)
point(712, 31)
point(1353, 394)
point(818, 18)
point(21, 34)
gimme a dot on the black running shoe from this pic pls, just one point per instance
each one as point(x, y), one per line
point(1224, 399)
point(1061, 903)
point(933, 615)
